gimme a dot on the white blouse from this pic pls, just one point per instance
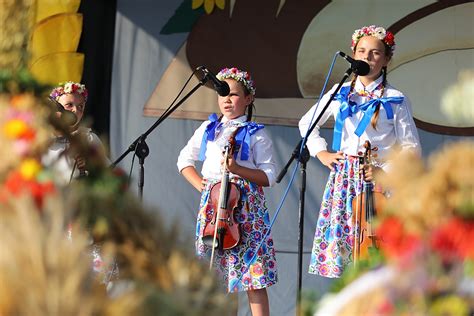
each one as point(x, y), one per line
point(59, 160)
point(401, 130)
point(260, 152)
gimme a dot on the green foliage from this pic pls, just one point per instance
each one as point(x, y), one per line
point(20, 81)
point(352, 272)
point(183, 19)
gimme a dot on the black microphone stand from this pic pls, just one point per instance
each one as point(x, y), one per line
point(140, 146)
point(301, 153)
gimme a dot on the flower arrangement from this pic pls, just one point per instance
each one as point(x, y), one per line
point(239, 75)
point(69, 87)
point(377, 31)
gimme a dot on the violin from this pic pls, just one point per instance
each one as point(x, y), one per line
point(222, 231)
point(365, 208)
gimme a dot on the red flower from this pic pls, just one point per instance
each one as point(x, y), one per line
point(389, 38)
point(454, 239)
point(15, 185)
point(396, 242)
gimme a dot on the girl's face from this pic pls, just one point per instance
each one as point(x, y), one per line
point(234, 105)
point(74, 103)
point(372, 50)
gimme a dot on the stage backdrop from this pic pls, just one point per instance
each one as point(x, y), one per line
point(288, 47)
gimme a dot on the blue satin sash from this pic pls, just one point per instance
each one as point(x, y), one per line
point(348, 108)
point(242, 138)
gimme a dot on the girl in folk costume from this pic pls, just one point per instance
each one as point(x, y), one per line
point(365, 109)
point(250, 167)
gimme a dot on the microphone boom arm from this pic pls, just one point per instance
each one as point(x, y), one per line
point(139, 145)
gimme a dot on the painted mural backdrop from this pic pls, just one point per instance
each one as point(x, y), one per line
point(289, 45)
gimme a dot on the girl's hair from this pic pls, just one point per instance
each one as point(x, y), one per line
point(388, 53)
point(251, 106)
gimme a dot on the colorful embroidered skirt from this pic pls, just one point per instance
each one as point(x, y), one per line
point(235, 265)
point(333, 239)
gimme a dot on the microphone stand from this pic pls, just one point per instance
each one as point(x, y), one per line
point(301, 153)
point(140, 146)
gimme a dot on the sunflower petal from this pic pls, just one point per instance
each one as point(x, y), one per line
point(220, 4)
point(196, 4)
point(208, 6)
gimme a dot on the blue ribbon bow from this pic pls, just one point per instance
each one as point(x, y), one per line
point(348, 108)
point(242, 138)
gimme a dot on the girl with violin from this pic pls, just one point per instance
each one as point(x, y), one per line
point(365, 109)
point(247, 167)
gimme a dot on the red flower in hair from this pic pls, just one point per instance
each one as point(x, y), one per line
point(389, 39)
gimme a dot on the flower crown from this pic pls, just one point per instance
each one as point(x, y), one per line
point(239, 75)
point(376, 31)
point(68, 87)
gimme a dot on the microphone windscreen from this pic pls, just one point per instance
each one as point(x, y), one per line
point(222, 89)
point(360, 67)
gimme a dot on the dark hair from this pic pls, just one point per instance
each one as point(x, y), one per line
point(251, 106)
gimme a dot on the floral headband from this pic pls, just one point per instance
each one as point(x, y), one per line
point(376, 31)
point(69, 87)
point(239, 75)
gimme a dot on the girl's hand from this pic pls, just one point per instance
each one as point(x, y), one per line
point(81, 163)
point(203, 184)
point(330, 159)
point(370, 171)
point(232, 165)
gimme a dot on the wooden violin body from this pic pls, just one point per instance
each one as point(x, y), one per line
point(222, 231)
point(365, 207)
point(228, 230)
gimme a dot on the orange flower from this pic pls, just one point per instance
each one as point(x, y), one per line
point(16, 184)
point(30, 168)
point(15, 128)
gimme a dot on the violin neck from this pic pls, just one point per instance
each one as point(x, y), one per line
point(223, 194)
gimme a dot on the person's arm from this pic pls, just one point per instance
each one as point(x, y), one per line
point(315, 142)
point(192, 176)
point(187, 157)
point(256, 176)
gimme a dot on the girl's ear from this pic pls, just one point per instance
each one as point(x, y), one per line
point(249, 99)
point(387, 60)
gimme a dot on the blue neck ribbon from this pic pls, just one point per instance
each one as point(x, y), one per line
point(242, 138)
point(348, 108)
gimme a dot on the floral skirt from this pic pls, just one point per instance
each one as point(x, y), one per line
point(237, 268)
point(334, 239)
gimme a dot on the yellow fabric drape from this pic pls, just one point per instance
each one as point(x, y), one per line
point(46, 8)
point(54, 42)
point(58, 33)
point(58, 67)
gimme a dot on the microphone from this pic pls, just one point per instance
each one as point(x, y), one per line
point(359, 67)
point(221, 87)
point(66, 118)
